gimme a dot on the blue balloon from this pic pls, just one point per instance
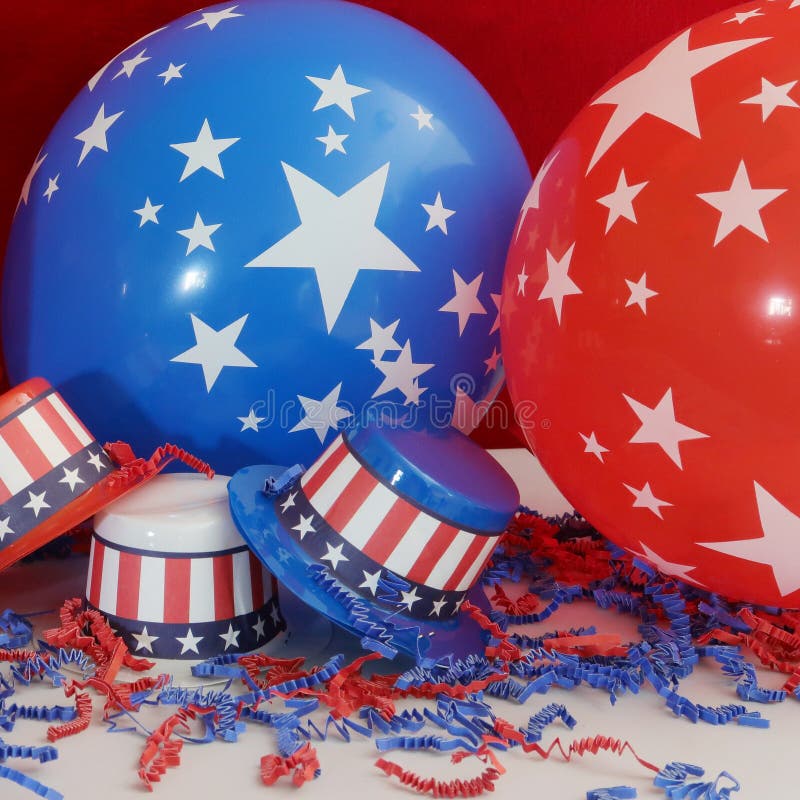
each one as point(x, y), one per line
point(257, 220)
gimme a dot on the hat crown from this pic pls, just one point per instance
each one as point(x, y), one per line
point(439, 470)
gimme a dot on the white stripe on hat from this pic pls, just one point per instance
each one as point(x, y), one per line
point(152, 585)
point(369, 515)
point(329, 492)
point(91, 571)
point(416, 539)
point(309, 473)
point(477, 566)
point(201, 590)
point(108, 583)
point(12, 471)
point(242, 583)
point(44, 436)
point(266, 584)
point(449, 560)
point(69, 419)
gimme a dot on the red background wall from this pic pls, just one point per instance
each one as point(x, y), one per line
point(540, 59)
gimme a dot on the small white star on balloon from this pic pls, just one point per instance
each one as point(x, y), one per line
point(771, 97)
point(643, 92)
point(215, 349)
point(304, 526)
point(333, 141)
point(438, 605)
point(522, 279)
point(148, 212)
point(213, 18)
point(96, 460)
point(742, 16)
point(251, 421)
point(671, 568)
point(370, 581)
point(52, 187)
point(381, 339)
point(336, 91)
point(408, 599)
point(95, 135)
point(288, 502)
point(189, 642)
point(640, 294)
point(559, 285)
point(740, 206)
point(660, 427)
point(36, 502)
point(204, 152)
point(465, 303)
point(258, 628)
point(777, 548)
point(144, 640)
point(5, 528)
point(620, 202)
point(72, 478)
point(171, 73)
point(322, 415)
point(334, 555)
point(534, 194)
point(492, 361)
point(130, 64)
point(437, 214)
point(496, 299)
point(400, 374)
point(644, 498)
point(336, 253)
point(423, 119)
point(593, 446)
point(25, 192)
point(230, 637)
point(199, 235)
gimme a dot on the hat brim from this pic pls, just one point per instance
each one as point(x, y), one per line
point(254, 514)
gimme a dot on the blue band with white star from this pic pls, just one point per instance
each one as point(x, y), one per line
point(358, 572)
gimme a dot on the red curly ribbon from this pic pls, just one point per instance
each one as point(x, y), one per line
point(132, 469)
point(303, 766)
point(453, 788)
point(83, 707)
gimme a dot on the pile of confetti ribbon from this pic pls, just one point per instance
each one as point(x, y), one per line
point(558, 561)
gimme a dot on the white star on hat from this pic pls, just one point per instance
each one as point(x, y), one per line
point(96, 460)
point(259, 627)
point(336, 91)
point(36, 502)
point(334, 555)
point(204, 152)
point(72, 478)
point(189, 642)
point(304, 526)
point(438, 605)
point(144, 640)
point(409, 598)
point(230, 637)
point(288, 502)
point(370, 581)
point(5, 527)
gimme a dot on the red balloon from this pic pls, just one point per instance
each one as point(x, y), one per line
point(651, 300)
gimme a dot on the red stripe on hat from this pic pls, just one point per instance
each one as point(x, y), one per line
point(350, 500)
point(256, 582)
point(60, 428)
point(177, 579)
point(391, 530)
point(97, 573)
point(437, 545)
point(5, 494)
point(223, 587)
point(25, 449)
point(325, 470)
point(467, 560)
point(130, 570)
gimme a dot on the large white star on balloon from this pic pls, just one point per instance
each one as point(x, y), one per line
point(559, 285)
point(660, 427)
point(381, 339)
point(337, 237)
point(777, 548)
point(213, 18)
point(671, 568)
point(534, 195)
point(95, 135)
point(642, 93)
point(465, 303)
point(771, 97)
point(640, 293)
point(644, 498)
point(214, 350)
point(740, 206)
point(323, 415)
point(401, 374)
point(336, 91)
point(620, 202)
point(199, 235)
point(204, 152)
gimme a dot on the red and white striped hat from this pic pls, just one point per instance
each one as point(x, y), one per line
point(403, 519)
point(174, 576)
point(54, 474)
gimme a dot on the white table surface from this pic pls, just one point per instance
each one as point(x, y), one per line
point(96, 764)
